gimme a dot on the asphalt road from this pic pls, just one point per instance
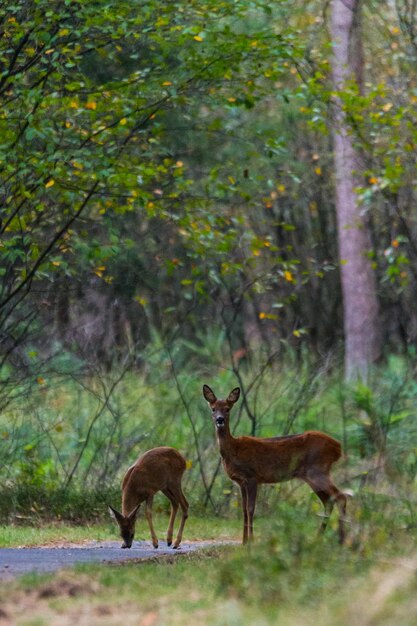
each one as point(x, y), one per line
point(17, 561)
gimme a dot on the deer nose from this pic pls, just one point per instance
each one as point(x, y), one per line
point(219, 420)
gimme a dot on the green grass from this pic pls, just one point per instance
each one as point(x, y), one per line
point(196, 529)
point(289, 577)
point(17, 536)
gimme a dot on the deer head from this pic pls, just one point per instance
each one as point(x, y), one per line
point(126, 524)
point(220, 409)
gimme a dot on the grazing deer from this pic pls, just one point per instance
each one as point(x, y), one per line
point(159, 469)
point(250, 461)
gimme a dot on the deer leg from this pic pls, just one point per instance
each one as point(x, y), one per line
point(174, 509)
point(252, 489)
point(148, 513)
point(184, 509)
point(326, 500)
point(244, 492)
point(341, 501)
point(329, 494)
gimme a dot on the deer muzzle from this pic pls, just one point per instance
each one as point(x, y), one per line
point(219, 420)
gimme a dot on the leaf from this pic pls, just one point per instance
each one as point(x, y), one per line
point(50, 183)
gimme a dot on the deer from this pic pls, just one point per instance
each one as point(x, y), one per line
point(159, 469)
point(251, 461)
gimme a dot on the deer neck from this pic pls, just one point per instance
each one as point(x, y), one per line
point(225, 441)
point(130, 500)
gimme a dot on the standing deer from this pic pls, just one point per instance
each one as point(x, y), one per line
point(250, 461)
point(159, 469)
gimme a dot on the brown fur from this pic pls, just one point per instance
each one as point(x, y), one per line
point(159, 469)
point(250, 461)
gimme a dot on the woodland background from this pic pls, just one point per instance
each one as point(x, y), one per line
point(204, 192)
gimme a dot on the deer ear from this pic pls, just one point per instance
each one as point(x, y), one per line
point(208, 394)
point(233, 395)
point(132, 514)
point(114, 513)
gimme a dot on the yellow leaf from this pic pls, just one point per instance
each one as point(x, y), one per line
point(373, 180)
point(318, 171)
point(50, 51)
point(56, 263)
point(91, 105)
point(395, 243)
point(387, 107)
point(198, 38)
point(179, 164)
point(74, 104)
point(63, 32)
point(281, 188)
point(123, 121)
point(231, 99)
point(288, 276)
point(231, 180)
point(256, 252)
point(40, 380)
point(188, 464)
point(166, 83)
point(50, 183)
point(262, 315)
point(296, 333)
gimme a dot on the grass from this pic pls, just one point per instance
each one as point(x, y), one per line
point(208, 528)
point(288, 577)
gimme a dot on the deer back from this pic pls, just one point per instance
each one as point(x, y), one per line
point(154, 471)
point(274, 460)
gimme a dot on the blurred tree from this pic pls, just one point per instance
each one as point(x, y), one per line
point(360, 304)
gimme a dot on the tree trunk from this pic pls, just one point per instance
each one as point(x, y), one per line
point(360, 305)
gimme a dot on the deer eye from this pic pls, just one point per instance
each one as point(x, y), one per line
point(212, 410)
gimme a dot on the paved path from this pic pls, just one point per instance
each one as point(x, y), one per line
point(17, 561)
